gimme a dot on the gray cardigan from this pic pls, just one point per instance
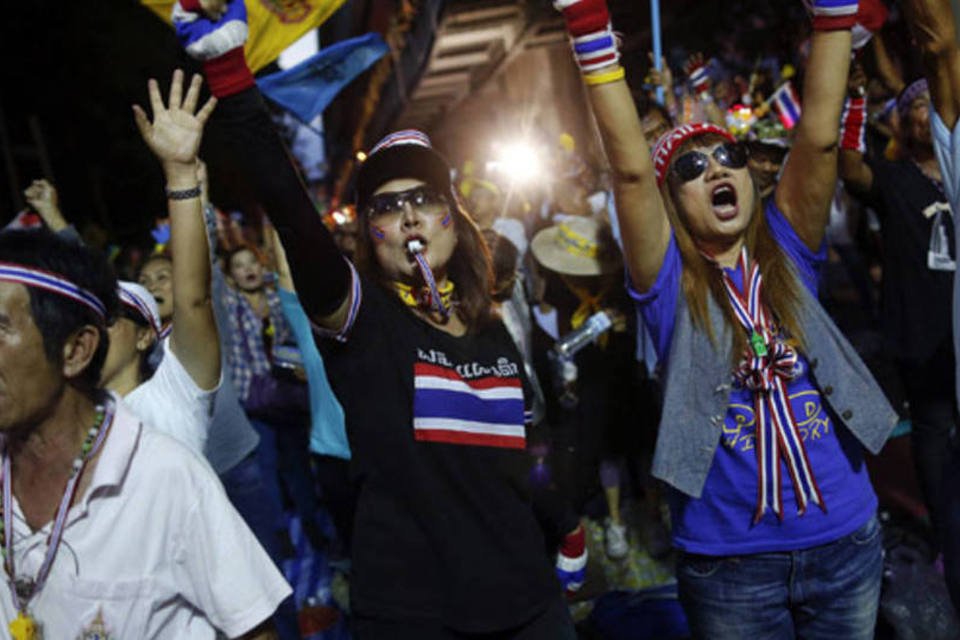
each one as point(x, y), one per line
point(697, 391)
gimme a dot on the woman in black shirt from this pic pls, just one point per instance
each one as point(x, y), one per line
point(445, 541)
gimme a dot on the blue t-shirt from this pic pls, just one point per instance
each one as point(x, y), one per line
point(720, 522)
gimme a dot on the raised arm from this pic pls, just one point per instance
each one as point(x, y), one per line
point(854, 170)
point(810, 174)
point(321, 274)
point(174, 138)
point(640, 212)
point(934, 28)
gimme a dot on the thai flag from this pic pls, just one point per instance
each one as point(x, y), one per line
point(484, 411)
point(787, 103)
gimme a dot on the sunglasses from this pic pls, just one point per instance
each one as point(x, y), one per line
point(692, 164)
point(422, 198)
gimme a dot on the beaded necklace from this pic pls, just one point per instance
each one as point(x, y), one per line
point(24, 626)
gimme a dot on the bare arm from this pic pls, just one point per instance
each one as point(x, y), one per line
point(810, 175)
point(174, 137)
point(640, 211)
point(284, 277)
point(888, 71)
point(933, 26)
point(855, 172)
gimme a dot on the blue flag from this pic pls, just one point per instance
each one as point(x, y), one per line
point(307, 89)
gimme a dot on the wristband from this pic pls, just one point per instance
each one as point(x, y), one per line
point(228, 74)
point(183, 194)
point(571, 564)
point(605, 78)
point(596, 50)
point(853, 125)
point(833, 15)
point(584, 16)
point(218, 45)
point(588, 24)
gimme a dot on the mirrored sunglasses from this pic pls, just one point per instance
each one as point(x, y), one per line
point(422, 197)
point(692, 164)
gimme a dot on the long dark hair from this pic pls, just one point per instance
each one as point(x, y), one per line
point(701, 277)
point(469, 268)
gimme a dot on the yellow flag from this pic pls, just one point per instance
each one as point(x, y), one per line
point(273, 24)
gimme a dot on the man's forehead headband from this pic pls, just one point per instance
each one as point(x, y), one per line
point(53, 282)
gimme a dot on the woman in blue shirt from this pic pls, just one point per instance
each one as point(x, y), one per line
point(772, 508)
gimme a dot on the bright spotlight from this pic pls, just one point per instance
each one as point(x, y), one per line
point(361, 156)
point(517, 161)
point(339, 217)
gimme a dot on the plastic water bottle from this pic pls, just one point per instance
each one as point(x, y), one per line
point(567, 346)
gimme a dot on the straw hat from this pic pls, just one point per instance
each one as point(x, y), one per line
point(578, 246)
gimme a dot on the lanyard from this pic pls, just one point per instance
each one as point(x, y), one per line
point(24, 590)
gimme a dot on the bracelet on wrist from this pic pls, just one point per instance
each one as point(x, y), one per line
point(606, 77)
point(183, 194)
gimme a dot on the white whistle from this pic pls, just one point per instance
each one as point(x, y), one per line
point(414, 246)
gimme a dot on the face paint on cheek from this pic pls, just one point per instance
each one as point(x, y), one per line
point(377, 233)
point(447, 219)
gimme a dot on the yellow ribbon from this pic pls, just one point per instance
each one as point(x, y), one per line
point(576, 244)
point(420, 298)
point(589, 305)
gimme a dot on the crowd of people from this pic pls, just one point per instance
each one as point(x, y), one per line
point(463, 378)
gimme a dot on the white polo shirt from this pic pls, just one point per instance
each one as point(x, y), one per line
point(172, 403)
point(153, 550)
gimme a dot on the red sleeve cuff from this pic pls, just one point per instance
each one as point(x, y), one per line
point(228, 74)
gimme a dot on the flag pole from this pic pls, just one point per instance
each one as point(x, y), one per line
point(657, 44)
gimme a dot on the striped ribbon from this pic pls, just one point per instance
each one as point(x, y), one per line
point(52, 282)
point(436, 297)
point(134, 302)
point(60, 520)
point(765, 369)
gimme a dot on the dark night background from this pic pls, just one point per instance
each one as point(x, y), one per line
point(72, 70)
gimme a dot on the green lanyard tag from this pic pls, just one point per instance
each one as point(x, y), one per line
point(759, 346)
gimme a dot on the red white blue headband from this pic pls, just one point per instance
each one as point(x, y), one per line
point(404, 136)
point(55, 283)
point(669, 142)
point(141, 302)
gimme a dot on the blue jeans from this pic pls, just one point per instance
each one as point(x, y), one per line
point(247, 492)
point(829, 592)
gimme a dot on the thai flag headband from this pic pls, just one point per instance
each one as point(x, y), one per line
point(404, 136)
point(54, 283)
point(138, 305)
point(669, 142)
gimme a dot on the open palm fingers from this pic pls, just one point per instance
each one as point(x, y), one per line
point(143, 124)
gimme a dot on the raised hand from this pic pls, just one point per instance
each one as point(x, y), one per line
point(42, 197)
point(175, 133)
point(696, 69)
point(662, 78)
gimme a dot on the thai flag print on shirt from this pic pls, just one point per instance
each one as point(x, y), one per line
point(468, 403)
